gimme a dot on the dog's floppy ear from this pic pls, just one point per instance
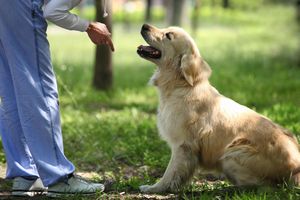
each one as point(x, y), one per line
point(194, 68)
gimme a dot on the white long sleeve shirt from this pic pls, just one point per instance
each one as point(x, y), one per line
point(58, 12)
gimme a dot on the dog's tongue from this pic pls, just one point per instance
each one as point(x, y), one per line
point(148, 51)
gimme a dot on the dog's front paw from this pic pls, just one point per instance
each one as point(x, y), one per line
point(145, 188)
point(150, 189)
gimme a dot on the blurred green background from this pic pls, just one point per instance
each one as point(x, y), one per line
point(251, 46)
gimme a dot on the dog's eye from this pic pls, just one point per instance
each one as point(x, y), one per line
point(169, 35)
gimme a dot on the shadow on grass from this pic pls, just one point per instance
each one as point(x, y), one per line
point(117, 106)
point(5, 187)
point(227, 192)
point(219, 193)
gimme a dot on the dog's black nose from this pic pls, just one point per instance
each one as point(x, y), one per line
point(146, 27)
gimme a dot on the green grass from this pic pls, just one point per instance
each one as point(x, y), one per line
point(255, 61)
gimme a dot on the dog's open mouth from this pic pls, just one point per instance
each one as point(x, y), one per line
point(148, 52)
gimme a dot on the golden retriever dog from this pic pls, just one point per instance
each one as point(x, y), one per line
point(206, 130)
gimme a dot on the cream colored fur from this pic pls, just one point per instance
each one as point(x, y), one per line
point(206, 130)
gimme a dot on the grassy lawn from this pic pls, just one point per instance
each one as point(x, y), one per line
point(112, 136)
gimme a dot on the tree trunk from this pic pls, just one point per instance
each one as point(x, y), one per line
point(103, 72)
point(148, 16)
point(195, 15)
point(298, 20)
point(298, 10)
point(175, 11)
point(225, 3)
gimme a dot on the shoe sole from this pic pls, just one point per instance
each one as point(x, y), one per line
point(27, 193)
point(60, 194)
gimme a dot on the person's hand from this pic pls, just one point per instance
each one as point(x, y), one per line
point(99, 34)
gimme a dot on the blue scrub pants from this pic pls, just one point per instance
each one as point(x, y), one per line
point(29, 109)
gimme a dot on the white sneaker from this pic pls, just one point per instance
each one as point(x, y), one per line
point(74, 185)
point(25, 187)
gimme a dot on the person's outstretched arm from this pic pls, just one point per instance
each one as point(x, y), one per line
point(58, 12)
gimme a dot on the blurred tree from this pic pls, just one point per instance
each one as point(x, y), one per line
point(298, 20)
point(195, 15)
point(175, 11)
point(298, 10)
point(225, 3)
point(148, 16)
point(103, 72)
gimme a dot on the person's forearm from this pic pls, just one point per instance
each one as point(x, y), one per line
point(57, 12)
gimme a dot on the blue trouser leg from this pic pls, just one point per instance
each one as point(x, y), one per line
point(18, 156)
point(24, 41)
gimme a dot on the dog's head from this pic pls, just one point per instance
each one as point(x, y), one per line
point(174, 49)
